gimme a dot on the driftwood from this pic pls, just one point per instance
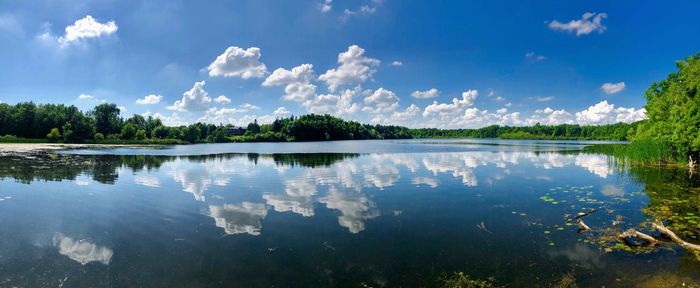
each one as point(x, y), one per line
point(631, 233)
point(582, 227)
point(687, 245)
point(692, 164)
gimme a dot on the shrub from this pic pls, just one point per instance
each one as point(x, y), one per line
point(54, 135)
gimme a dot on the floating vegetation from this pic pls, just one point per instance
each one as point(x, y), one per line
point(461, 280)
point(567, 281)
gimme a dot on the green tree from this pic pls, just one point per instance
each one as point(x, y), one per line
point(68, 132)
point(128, 131)
point(192, 133)
point(160, 132)
point(254, 128)
point(107, 120)
point(140, 134)
point(673, 108)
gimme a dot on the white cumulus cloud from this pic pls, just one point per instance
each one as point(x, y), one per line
point(302, 73)
point(604, 113)
point(149, 99)
point(354, 68)
point(549, 116)
point(298, 82)
point(456, 107)
point(382, 100)
point(221, 99)
point(196, 99)
point(238, 62)
point(87, 27)
point(338, 105)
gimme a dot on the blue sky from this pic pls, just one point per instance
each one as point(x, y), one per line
point(450, 64)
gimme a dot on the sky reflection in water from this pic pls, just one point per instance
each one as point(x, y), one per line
point(313, 219)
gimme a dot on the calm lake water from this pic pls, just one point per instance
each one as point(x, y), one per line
point(338, 214)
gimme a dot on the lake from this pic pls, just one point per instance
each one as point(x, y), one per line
point(404, 213)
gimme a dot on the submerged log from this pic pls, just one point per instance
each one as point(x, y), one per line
point(582, 227)
point(632, 233)
point(663, 230)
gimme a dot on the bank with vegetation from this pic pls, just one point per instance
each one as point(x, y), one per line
point(672, 131)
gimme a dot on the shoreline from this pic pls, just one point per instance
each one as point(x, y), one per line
point(28, 149)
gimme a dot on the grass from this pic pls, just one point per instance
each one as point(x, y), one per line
point(15, 139)
point(19, 140)
point(644, 151)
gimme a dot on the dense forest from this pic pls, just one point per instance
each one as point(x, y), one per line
point(29, 122)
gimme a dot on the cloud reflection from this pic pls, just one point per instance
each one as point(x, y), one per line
point(432, 182)
point(239, 219)
point(82, 251)
point(355, 208)
point(341, 183)
point(148, 181)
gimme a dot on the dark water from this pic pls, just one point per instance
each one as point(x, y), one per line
point(390, 214)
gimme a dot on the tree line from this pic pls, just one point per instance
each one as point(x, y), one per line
point(103, 124)
point(313, 127)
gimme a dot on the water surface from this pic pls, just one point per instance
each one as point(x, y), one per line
point(382, 214)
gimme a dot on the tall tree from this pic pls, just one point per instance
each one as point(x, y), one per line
point(107, 120)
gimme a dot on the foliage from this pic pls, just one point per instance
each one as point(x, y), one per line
point(54, 135)
point(673, 108)
point(107, 120)
point(313, 127)
point(261, 137)
point(140, 134)
point(253, 128)
point(128, 131)
point(49, 122)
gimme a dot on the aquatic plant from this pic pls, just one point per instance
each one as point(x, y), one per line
point(462, 280)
